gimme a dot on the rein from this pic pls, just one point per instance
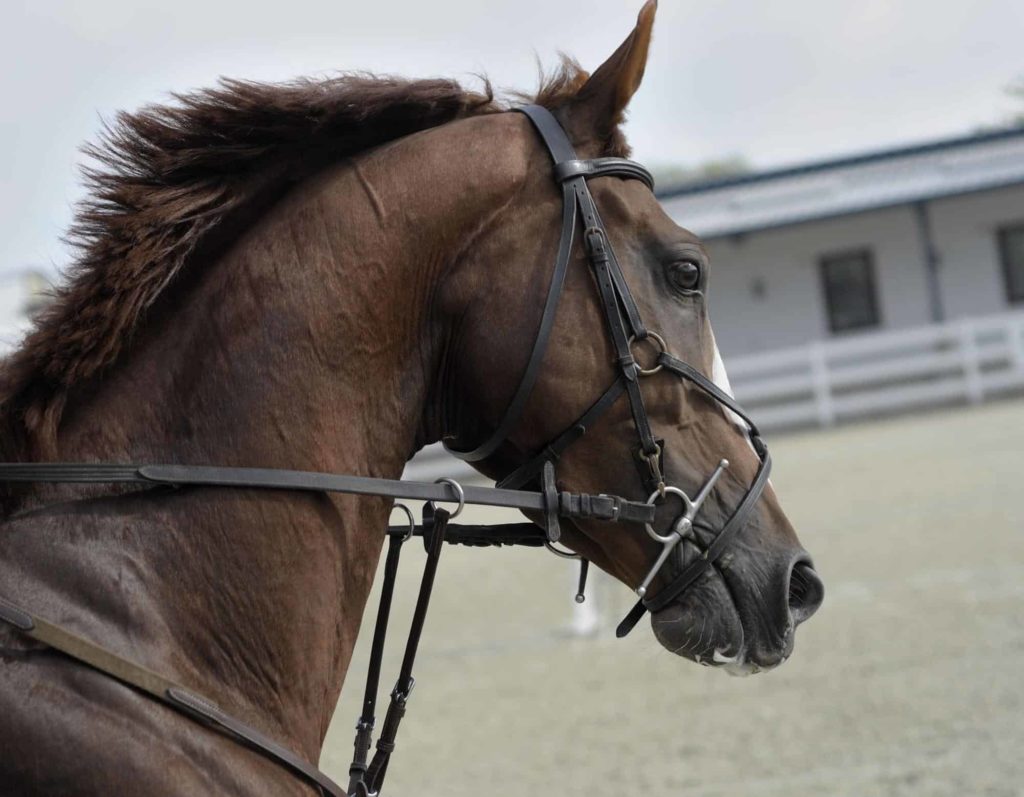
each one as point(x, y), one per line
point(625, 327)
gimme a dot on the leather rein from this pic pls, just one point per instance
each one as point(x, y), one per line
point(625, 327)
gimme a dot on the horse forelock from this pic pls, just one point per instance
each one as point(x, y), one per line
point(164, 178)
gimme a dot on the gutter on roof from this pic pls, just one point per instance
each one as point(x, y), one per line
point(839, 163)
point(854, 211)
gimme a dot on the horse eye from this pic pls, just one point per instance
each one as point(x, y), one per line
point(684, 276)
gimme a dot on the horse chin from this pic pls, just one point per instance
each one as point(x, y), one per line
point(708, 632)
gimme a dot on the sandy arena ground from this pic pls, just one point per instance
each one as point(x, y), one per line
point(909, 681)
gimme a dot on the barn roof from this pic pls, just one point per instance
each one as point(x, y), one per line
point(780, 197)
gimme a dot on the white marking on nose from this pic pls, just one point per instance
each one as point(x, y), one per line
point(721, 380)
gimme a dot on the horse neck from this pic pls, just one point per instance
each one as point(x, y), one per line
point(312, 343)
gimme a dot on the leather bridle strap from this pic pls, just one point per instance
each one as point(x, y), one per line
point(691, 572)
point(616, 300)
point(687, 371)
point(403, 686)
point(720, 542)
point(571, 505)
point(170, 693)
point(364, 726)
point(599, 167)
point(528, 471)
point(540, 343)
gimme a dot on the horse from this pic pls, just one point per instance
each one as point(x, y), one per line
point(329, 275)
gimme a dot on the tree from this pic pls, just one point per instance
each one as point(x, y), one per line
point(1016, 91)
point(673, 175)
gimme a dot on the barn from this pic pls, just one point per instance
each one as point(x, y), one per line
point(885, 241)
point(868, 284)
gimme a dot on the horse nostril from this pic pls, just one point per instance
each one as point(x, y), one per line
point(806, 592)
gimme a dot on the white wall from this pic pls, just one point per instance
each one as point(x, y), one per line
point(792, 311)
point(965, 234)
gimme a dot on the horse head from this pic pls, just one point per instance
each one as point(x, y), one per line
point(636, 316)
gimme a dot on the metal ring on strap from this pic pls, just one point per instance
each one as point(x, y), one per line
point(458, 491)
point(564, 554)
point(664, 348)
point(412, 521)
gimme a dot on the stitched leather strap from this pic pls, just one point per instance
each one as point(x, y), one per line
point(438, 521)
point(528, 471)
point(572, 173)
point(687, 371)
point(364, 727)
point(168, 692)
point(540, 343)
point(600, 167)
point(602, 507)
point(718, 545)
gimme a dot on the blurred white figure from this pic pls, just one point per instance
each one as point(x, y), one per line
point(22, 293)
point(586, 616)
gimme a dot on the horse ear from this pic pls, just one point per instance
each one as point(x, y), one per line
point(598, 105)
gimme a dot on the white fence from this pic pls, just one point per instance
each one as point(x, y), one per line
point(875, 374)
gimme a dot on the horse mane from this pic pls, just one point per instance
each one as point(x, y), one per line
point(165, 178)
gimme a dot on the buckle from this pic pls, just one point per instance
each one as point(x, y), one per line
point(652, 464)
point(594, 240)
point(616, 507)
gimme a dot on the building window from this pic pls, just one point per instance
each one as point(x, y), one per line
point(1011, 252)
point(850, 295)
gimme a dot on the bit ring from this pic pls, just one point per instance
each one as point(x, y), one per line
point(687, 505)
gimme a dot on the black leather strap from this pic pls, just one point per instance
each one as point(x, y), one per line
point(603, 507)
point(572, 173)
point(718, 545)
point(600, 167)
point(364, 726)
point(494, 535)
point(687, 371)
point(635, 324)
point(540, 344)
point(550, 131)
point(615, 295)
point(551, 527)
point(528, 471)
point(377, 770)
point(162, 689)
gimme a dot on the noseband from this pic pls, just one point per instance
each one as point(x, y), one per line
point(626, 329)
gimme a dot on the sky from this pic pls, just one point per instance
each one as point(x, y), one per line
point(778, 83)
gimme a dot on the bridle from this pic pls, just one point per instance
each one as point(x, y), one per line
point(625, 327)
